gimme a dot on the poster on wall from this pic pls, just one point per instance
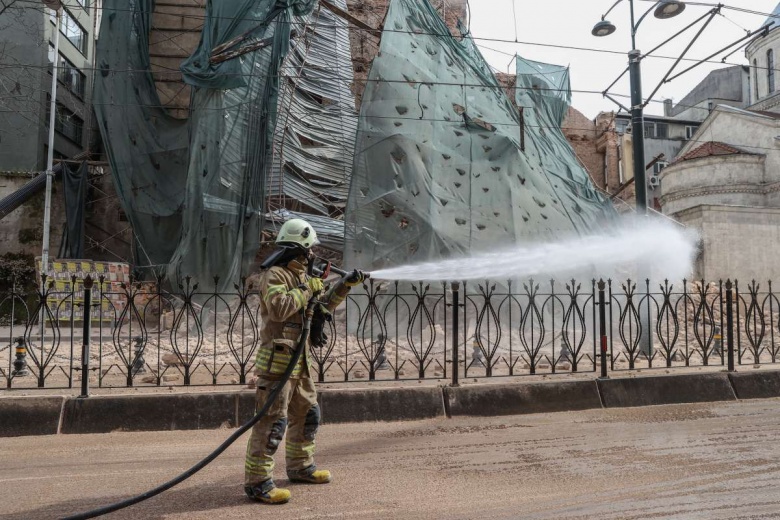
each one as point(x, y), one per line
point(66, 301)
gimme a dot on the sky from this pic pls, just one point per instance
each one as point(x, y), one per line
point(529, 25)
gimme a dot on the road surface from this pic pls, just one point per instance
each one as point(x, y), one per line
point(688, 461)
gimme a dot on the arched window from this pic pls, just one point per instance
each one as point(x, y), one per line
point(755, 79)
point(770, 71)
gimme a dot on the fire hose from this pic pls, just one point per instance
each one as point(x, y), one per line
point(308, 313)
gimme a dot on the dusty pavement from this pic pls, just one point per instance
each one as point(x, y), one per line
point(708, 461)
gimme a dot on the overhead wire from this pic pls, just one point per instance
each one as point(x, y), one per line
point(420, 83)
point(451, 121)
point(476, 38)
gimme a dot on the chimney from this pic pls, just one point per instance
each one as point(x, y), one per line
point(668, 105)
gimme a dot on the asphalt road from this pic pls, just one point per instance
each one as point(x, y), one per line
point(689, 461)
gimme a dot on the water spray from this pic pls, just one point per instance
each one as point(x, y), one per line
point(638, 248)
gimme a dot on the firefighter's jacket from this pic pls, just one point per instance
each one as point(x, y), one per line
point(284, 295)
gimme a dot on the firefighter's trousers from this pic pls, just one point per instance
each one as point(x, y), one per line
point(294, 411)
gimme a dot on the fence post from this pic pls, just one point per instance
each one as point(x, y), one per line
point(87, 333)
point(603, 328)
point(455, 305)
point(730, 324)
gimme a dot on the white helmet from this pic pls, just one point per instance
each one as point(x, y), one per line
point(298, 232)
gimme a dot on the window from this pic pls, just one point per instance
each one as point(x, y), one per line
point(66, 122)
point(621, 125)
point(755, 78)
point(656, 130)
point(68, 74)
point(660, 165)
point(770, 71)
point(84, 4)
point(71, 29)
point(690, 131)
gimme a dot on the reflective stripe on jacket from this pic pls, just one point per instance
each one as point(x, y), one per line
point(284, 294)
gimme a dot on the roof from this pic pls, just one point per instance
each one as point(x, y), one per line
point(766, 113)
point(774, 17)
point(711, 149)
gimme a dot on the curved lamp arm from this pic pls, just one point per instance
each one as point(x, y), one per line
point(610, 9)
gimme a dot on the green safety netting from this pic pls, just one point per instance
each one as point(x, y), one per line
point(439, 169)
point(194, 190)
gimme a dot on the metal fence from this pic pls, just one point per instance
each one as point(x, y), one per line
point(142, 335)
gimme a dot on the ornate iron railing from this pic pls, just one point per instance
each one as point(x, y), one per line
point(143, 335)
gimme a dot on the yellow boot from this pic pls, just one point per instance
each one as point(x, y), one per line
point(310, 475)
point(267, 493)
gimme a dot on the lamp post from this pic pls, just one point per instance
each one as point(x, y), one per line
point(56, 5)
point(662, 10)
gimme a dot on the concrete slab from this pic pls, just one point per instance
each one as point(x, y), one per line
point(149, 413)
point(359, 405)
point(400, 404)
point(30, 415)
point(648, 391)
point(514, 399)
point(755, 385)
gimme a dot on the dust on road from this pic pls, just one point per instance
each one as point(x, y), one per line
point(710, 461)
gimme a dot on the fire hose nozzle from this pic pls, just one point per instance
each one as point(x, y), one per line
point(343, 273)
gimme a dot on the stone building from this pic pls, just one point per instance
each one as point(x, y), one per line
point(726, 184)
point(665, 134)
point(762, 55)
point(728, 86)
point(726, 181)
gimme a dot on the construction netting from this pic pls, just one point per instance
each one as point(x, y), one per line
point(315, 133)
point(194, 190)
point(444, 164)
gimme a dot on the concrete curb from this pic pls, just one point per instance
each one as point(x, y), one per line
point(755, 385)
point(366, 405)
point(49, 415)
point(647, 391)
point(103, 414)
point(516, 399)
point(30, 415)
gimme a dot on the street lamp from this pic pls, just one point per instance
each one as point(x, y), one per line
point(663, 10)
point(55, 5)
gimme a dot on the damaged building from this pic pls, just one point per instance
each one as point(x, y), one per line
point(189, 117)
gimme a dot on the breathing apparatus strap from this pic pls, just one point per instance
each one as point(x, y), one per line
point(282, 256)
point(230, 440)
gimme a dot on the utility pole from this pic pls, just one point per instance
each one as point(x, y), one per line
point(50, 157)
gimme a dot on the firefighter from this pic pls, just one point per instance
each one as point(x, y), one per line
point(285, 289)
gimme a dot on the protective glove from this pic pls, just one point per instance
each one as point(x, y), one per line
point(317, 334)
point(355, 278)
point(315, 285)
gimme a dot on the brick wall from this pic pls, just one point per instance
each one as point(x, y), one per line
point(176, 28)
point(365, 46)
point(581, 134)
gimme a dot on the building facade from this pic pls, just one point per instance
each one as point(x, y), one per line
point(27, 58)
point(665, 136)
point(726, 181)
point(762, 56)
point(27, 39)
point(728, 188)
point(728, 86)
